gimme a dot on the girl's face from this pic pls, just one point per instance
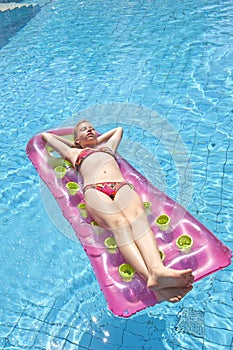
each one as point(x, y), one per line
point(86, 135)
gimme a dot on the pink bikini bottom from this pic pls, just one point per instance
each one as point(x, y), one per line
point(109, 188)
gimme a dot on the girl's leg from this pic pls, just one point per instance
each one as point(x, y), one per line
point(108, 215)
point(159, 275)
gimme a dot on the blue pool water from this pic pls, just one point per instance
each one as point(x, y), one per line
point(145, 64)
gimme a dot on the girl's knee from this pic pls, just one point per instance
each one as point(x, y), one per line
point(138, 214)
point(119, 221)
point(111, 221)
point(122, 231)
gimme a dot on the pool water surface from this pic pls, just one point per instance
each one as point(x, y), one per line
point(143, 64)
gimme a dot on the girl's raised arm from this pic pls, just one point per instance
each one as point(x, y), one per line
point(62, 145)
point(64, 140)
point(112, 138)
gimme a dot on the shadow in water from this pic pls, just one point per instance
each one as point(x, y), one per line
point(14, 20)
point(139, 332)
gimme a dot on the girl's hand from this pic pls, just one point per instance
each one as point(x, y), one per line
point(112, 138)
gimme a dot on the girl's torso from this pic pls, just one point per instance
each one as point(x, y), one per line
point(97, 165)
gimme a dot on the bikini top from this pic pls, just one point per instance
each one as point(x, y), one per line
point(87, 152)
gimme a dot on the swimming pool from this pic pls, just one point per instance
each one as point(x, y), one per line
point(140, 57)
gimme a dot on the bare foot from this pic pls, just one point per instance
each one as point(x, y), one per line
point(165, 277)
point(173, 295)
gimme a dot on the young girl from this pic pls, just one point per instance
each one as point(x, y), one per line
point(114, 205)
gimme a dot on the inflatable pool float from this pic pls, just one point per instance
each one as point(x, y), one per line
point(183, 241)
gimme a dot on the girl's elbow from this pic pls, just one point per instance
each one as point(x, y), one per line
point(120, 130)
point(44, 136)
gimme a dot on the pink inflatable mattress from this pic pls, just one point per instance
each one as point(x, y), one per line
point(183, 241)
